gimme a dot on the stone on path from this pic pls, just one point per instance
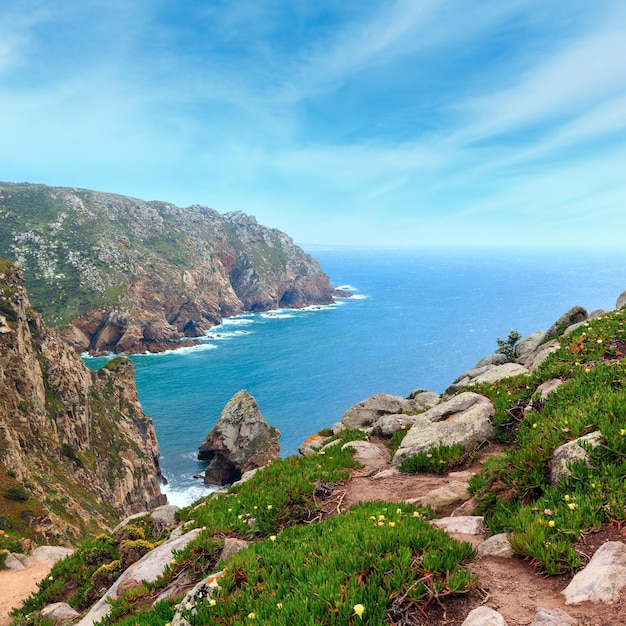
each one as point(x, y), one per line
point(466, 524)
point(484, 616)
point(603, 578)
point(447, 496)
point(554, 617)
point(496, 546)
point(367, 453)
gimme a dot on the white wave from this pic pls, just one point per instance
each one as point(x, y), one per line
point(358, 296)
point(188, 495)
point(220, 336)
point(239, 320)
point(347, 288)
point(200, 347)
point(280, 314)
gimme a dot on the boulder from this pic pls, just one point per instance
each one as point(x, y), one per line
point(311, 445)
point(570, 452)
point(603, 579)
point(484, 616)
point(240, 441)
point(496, 546)
point(464, 419)
point(164, 516)
point(232, 545)
point(573, 316)
point(498, 372)
point(554, 617)
point(366, 413)
point(389, 424)
point(621, 300)
point(51, 554)
point(528, 344)
point(16, 562)
point(464, 524)
point(541, 393)
point(421, 400)
point(447, 497)
point(492, 359)
point(535, 359)
point(60, 612)
point(367, 453)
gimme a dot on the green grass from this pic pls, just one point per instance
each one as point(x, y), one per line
point(515, 492)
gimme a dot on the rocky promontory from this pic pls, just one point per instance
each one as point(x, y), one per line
point(77, 452)
point(240, 441)
point(118, 274)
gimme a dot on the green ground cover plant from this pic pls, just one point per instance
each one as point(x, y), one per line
point(515, 492)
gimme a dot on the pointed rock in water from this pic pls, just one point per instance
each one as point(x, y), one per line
point(240, 441)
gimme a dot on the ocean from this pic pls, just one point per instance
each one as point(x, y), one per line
point(416, 319)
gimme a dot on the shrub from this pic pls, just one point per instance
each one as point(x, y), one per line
point(18, 494)
point(507, 346)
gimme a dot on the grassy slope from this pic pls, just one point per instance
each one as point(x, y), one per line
point(387, 558)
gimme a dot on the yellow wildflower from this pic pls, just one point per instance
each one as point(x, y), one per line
point(272, 537)
point(212, 602)
point(359, 609)
point(551, 523)
point(251, 615)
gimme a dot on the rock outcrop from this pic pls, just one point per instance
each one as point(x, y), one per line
point(77, 452)
point(123, 275)
point(240, 441)
point(464, 419)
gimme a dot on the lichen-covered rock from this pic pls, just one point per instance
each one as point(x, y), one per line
point(240, 441)
point(621, 300)
point(464, 419)
point(572, 316)
point(312, 445)
point(366, 413)
point(447, 497)
point(603, 579)
point(367, 453)
point(69, 434)
point(570, 452)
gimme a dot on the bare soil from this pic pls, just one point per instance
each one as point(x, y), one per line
point(510, 586)
point(16, 586)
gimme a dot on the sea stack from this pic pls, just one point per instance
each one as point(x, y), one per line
point(240, 441)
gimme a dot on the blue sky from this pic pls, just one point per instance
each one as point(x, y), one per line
point(402, 123)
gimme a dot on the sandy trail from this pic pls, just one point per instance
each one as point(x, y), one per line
point(15, 586)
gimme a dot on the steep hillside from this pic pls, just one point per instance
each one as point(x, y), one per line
point(76, 451)
point(120, 274)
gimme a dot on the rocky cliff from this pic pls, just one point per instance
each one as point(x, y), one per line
point(76, 451)
point(124, 275)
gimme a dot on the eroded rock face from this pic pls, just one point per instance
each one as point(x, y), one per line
point(69, 433)
point(153, 272)
point(240, 441)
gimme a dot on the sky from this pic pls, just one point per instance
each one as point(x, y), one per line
point(414, 123)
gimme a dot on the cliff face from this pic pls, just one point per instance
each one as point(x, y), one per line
point(124, 275)
point(76, 451)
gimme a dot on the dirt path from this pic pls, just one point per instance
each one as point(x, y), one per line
point(510, 586)
point(17, 586)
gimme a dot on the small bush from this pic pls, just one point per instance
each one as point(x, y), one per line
point(507, 346)
point(17, 494)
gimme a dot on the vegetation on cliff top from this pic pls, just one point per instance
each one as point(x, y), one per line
point(82, 250)
point(379, 562)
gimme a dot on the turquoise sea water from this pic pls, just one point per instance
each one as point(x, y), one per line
point(417, 319)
